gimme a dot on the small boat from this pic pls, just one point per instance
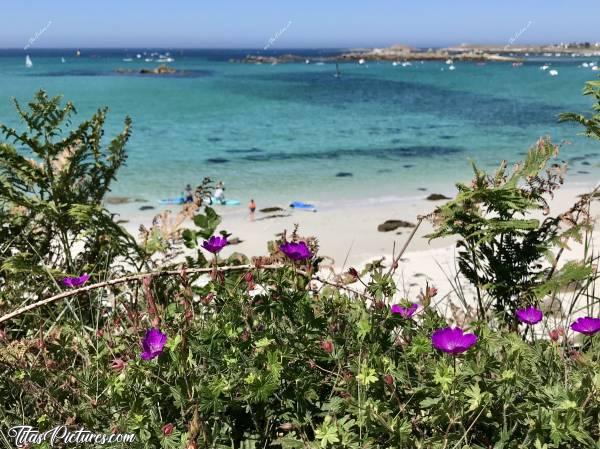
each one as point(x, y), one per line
point(361, 61)
point(449, 61)
point(138, 56)
point(553, 72)
point(338, 74)
point(148, 59)
point(63, 60)
point(394, 63)
point(307, 61)
point(320, 63)
point(544, 67)
point(28, 62)
point(127, 59)
point(595, 68)
point(585, 64)
point(517, 64)
point(451, 68)
point(78, 53)
point(406, 64)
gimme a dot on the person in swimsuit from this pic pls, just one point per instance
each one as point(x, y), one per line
point(252, 207)
point(189, 195)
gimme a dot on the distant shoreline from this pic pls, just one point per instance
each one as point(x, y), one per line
point(475, 53)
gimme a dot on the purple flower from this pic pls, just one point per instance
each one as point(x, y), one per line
point(215, 244)
point(452, 340)
point(586, 325)
point(530, 315)
point(74, 282)
point(296, 250)
point(404, 312)
point(153, 344)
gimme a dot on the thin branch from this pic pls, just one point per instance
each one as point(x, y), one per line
point(123, 280)
point(396, 259)
point(140, 276)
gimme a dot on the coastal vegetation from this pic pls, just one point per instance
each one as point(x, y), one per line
point(163, 337)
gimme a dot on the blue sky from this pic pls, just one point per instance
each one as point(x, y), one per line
point(314, 23)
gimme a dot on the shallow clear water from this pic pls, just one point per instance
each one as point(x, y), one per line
point(282, 132)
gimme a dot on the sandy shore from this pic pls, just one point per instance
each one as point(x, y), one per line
point(349, 236)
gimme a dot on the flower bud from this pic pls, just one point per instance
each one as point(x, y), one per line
point(327, 346)
point(117, 365)
point(167, 429)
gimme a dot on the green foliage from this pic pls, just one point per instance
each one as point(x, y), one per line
point(248, 368)
point(591, 123)
point(53, 178)
point(502, 248)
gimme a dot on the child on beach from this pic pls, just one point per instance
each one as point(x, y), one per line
point(252, 207)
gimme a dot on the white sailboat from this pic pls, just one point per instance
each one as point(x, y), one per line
point(28, 62)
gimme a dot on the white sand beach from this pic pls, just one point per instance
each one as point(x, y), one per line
point(348, 236)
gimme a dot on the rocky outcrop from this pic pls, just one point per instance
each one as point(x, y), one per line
point(392, 225)
point(437, 197)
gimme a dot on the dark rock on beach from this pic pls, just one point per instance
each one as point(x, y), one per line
point(392, 225)
point(118, 200)
point(437, 197)
point(343, 174)
point(422, 189)
point(268, 210)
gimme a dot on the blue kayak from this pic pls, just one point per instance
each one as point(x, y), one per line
point(226, 202)
point(304, 206)
point(178, 200)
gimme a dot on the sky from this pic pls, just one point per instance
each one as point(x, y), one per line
point(299, 24)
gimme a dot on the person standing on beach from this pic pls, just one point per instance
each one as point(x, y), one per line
point(252, 207)
point(189, 195)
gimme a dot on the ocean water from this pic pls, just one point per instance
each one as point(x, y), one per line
point(283, 132)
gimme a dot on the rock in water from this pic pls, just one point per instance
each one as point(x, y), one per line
point(437, 197)
point(392, 225)
point(343, 174)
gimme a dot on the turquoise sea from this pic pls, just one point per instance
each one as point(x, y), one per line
point(283, 132)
